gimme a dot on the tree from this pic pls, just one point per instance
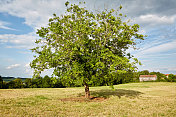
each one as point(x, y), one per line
point(37, 82)
point(18, 83)
point(144, 72)
point(160, 76)
point(172, 78)
point(56, 83)
point(83, 46)
point(11, 84)
point(1, 82)
point(28, 82)
point(46, 82)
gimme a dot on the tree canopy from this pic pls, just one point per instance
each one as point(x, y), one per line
point(1, 82)
point(83, 47)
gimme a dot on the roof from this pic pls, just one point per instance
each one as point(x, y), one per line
point(167, 74)
point(148, 76)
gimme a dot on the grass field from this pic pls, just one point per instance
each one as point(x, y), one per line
point(149, 99)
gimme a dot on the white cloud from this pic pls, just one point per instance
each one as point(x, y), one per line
point(3, 25)
point(160, 48)
point(154, 19)
point(28, 69)
point(169, 70)
point(35, 13)
point(157, 19)
point(13, 66)
point(19, 41)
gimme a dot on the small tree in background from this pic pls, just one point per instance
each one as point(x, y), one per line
point(172, 78)
point(1, 82)
point(18, 83)
point(144, 72)
point(82, 46)
point(46, 82)
point(28, 83)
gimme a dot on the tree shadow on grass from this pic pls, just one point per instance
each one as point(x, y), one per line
point(106, 93)
point(101, 95)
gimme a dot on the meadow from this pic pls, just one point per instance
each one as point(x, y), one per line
point(147, 99)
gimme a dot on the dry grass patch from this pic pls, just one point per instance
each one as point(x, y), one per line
point(127, 100)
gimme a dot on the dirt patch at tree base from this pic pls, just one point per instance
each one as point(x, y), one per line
point(83, 99)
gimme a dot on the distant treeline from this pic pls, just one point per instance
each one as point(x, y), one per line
point(7, 79)
point(53, 82)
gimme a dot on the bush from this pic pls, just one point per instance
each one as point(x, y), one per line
point(1, 82)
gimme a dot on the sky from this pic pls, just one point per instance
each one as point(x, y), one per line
point(19, 20)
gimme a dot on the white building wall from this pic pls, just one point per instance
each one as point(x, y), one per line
point(147, 78)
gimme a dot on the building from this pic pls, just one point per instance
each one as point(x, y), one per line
point(147, 78)
point(167, 75)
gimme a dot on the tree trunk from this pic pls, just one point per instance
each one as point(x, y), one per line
point(87, 93)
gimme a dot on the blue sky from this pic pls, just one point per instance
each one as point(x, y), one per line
point(19, 20)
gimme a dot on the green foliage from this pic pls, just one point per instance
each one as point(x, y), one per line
point(37, 82)
point(17, 83)
point(46, 82)
point(85, 47)
point(171, 78)
point(28, 83)
point(1, 82)
point(53, 82)
point(144, 72)
point(160, 76)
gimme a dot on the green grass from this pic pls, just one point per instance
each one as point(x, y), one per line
point(146, 99)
